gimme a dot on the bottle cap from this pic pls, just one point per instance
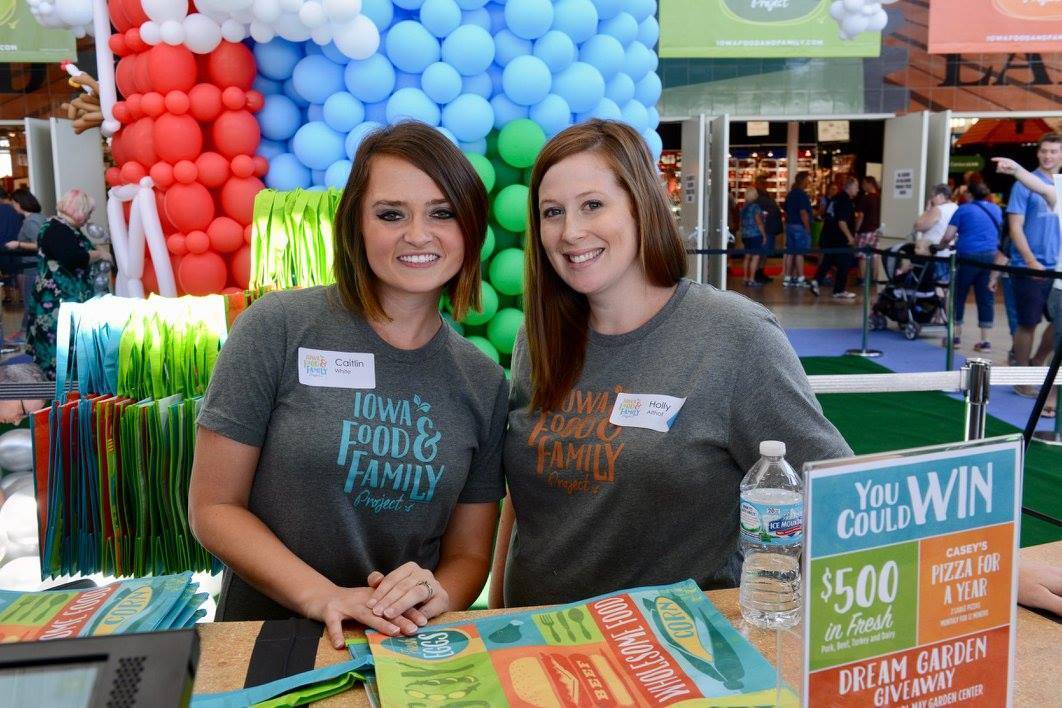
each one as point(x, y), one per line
point(772, 448)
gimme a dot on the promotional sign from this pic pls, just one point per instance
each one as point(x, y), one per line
point(23, 39)
point(903, 184)
point(911, 572)
point(653, 646)
point(762, 28)
point(996, 27)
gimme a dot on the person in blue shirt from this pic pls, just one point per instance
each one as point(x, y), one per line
point(798, 215)
point(975, 228)
point(1034, 235)
point(753, 236)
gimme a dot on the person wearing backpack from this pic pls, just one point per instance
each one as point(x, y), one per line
point(975, 229)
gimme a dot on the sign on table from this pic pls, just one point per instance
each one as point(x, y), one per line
point(910, 575)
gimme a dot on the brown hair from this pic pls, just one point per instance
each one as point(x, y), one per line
point(431, 152)
point(558, 318)
point(1050, 138)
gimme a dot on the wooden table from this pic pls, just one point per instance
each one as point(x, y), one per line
point(226, 647)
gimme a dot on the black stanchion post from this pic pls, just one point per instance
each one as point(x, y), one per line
point(1051, 437)
point(949, 362)
point(865, 351)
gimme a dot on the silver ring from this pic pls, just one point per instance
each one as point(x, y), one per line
point(430, 589)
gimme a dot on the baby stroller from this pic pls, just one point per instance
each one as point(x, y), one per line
point(916, 295)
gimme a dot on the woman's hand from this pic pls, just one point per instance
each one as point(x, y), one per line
point(1040, 585)
point(408, 586)
point(1006, 166)
point(98, 255)
point(993, 282)
point(336, 604)
point(13, 245)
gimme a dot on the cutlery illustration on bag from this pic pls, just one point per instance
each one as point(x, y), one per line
point(564, 625)
point(548, 622)
point(576, 616)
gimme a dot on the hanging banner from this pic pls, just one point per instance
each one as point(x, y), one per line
point(911, 576)
point(996, 27)
point(22, 39)
point(764, 28)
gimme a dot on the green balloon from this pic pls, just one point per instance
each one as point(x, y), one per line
point(489, 301)
point(444, 303)
point(506, 174)
point(505, 239)
point(507, 271)
point(492, 144)
point(483, 168)
point(486, 347)
point(488, 245)
point(510, 208)
point(502, 329)
point(519, 142)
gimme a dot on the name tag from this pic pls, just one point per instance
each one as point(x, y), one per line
point(646, 410)
point(318, 367)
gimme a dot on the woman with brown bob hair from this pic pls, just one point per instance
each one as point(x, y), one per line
point(639, 397)
point(348, 461)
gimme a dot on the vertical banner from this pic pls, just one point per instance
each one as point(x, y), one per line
point(23, 39)
point(995, 27)
point(911, 572)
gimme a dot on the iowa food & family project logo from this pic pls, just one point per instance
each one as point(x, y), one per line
point(315, 365)
point(630, 407)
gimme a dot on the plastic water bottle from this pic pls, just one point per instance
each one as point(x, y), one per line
point(772, 535)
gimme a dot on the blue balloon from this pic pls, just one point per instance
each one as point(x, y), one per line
point(287, 173)
point(526, 80)
point(469, 117)
point(529, 19)
point(312, 48)
point(370, 80)
point(440, 17)
point(290, 92)
point(314, 112)
point(449, 135)
point(337, 173)
point(409, 4)
point(480, 84)
point(575, 18)
point(607, 9)
point(381, 12)
point(620, 89)
point(404, 80)
point(342, 112)
point(317, 146)
point(605, 110)
point(604, 53)
point(469, 49)
point(441, 82)
point(279, 117)
point(656, 145)
point(552, 114)
point(477, 146)
point(497, 17)
point(648, 90)
point(506, 111)
point(648, 32)
point(654, 117)
point(266, 87)
point(471, 4)
point(332, 52)
point(639, 61)
point(479, 17)
point(507, 46)
point(271, 148)
point(276, 59)
point(316, 78)
point(623, 27)
point(410, 47)
point(639, 9)
point(317, 187)
point(556, 49)
point(581, 85)
point(412, 103)
point(355, 136)
point(636, 115)
point(376, 112)
point(495, 73)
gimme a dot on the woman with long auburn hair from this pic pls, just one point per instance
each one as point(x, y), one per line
point(348, 459)
point(639, 398)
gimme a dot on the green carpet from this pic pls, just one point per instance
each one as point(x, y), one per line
point(878, 422)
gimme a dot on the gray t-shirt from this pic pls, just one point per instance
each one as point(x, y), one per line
point(601, 508)
point(353, 480)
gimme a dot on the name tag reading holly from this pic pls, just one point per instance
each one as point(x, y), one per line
point(646, 410)
point(318, 367)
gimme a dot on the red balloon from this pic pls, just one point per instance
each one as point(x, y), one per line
point(164, 219)
point(149, 279)
point(255, 101)
point(237, 197)
point(197, 242)
point(171, 68)
point(134, 41)
point(177, 103)
point(142, 75)
point(178, 137)
point(247, 231)
point(213, 169)
point(261, 166)
point(185, 172)
point(120, 111)
point(225, 235)
point(134, 103)
point(117, 44)
point(205, 102)
point(118, 147)
point(118, 17)
point(189, 206)
point(202, 273)
point(243, 166)
point(231, 64)
point(113, 176)
point(232, 290)
point(152, 104)
point(176, 245)
point(236, 133)
point(132, 172)
point(162, 175)
point(233, 98)
point(241, 267)
point(134, 12)
point(124, 75)
point(140, 141)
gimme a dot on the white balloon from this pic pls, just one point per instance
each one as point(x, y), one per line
point(358, 39)
point(163, 10)
point(290, 5)
point(322, 35)
point(18, 519)
point(312, 14)
point(172, 32)
point(244, 16)
point(878, 21)
point(9, 482)
point(289, 27)
point(150, 33)
point(201, 34)
point(75, 13)
point(266, 11)
point(837, 10)
point(233, 31)
point(262, 33)
point(16, 450)
point(22, 574)
point(46, 8)
point(854, 24)
point(853, 5)
point(235, 6)
point(871, 8)
point(342, 11)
